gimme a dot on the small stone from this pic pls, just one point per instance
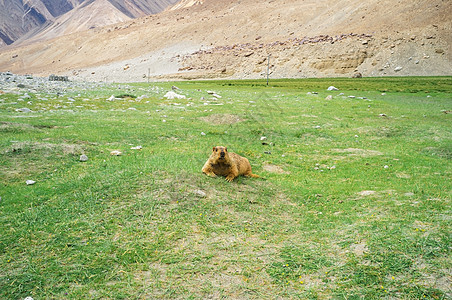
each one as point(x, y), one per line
point(30, 182)
point(329, 97)
point(83, 157)
point(263, 138)
point(115, 152)
point(352, 97)
point(386, 166)
point(397, 69)
point(200, 193)
point(137, 148)
point(28, 298)
point(202, 133)
point(382, 115)
point(112, 98)
point(332, 88)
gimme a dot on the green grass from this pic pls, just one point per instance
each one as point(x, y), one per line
point(353, 204)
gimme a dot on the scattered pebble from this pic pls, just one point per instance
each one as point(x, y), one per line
point(332, 88)
point(83, 157)
point(137, 148)
point(30, 182)
point(115, 152)
point(386, 166)
point(263, 138)
point(202, 133)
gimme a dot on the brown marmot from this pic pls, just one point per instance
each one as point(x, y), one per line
point(228, 164)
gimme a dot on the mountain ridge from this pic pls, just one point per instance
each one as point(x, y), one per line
point(21, 20)
point(406, 38)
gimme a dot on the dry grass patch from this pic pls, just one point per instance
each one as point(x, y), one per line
point(222, 119)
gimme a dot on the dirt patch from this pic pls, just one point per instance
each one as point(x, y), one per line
point(222, 119)
point(12, 127)
point(359, 249)
point(274, 169)
point(46, 148)
point(359, 152)
point(367, 193)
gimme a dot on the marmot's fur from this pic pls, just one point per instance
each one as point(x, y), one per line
point(228, 164)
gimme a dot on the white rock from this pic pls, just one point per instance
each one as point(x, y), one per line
point(329, 97)
point(83, 157)
point(397, 69)
point(386, 166)
point(202, 133)
point(28, 298)
point(24, 110)
point(200, 193)
point(112, 98)
point(332, 88)
point(263, 138)
point(30, 182)
point(172, 95)
point(116, 152)
point(137, 148)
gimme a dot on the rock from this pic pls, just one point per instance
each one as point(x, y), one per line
point(386, 167)
point(382, 115)
point(28, 298)
point(329, 97)
point(332, 88)
point(24, 110)
point(116, 152)
point(136, 148)
point(397, 69)
point(174, 88)
point(357, 75)
point(30, 182)
point(352, 97)
point(112, 98)
point(172, 95)
point(200, 193)
point(83, 157)
point(263, 138)
point(202, 133)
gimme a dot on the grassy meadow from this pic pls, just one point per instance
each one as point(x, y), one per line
point(354, 203)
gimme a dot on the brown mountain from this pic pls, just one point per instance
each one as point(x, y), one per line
point(22, 20)
point(233, 39)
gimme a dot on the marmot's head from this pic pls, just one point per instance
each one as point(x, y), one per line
point(220, 153)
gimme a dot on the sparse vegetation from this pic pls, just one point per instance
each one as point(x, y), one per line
point(356, 204)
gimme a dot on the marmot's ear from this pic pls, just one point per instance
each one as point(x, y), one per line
point(226, 149)
point(214, 148)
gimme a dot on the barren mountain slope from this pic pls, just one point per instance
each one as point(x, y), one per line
point(22, 20)
point(304, 38)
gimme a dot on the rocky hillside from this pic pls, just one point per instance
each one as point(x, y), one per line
point(234, 39)
point(22, 20)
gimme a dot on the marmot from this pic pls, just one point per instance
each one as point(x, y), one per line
point(224, 163)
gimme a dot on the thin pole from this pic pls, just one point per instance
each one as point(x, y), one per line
point(268, 67)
